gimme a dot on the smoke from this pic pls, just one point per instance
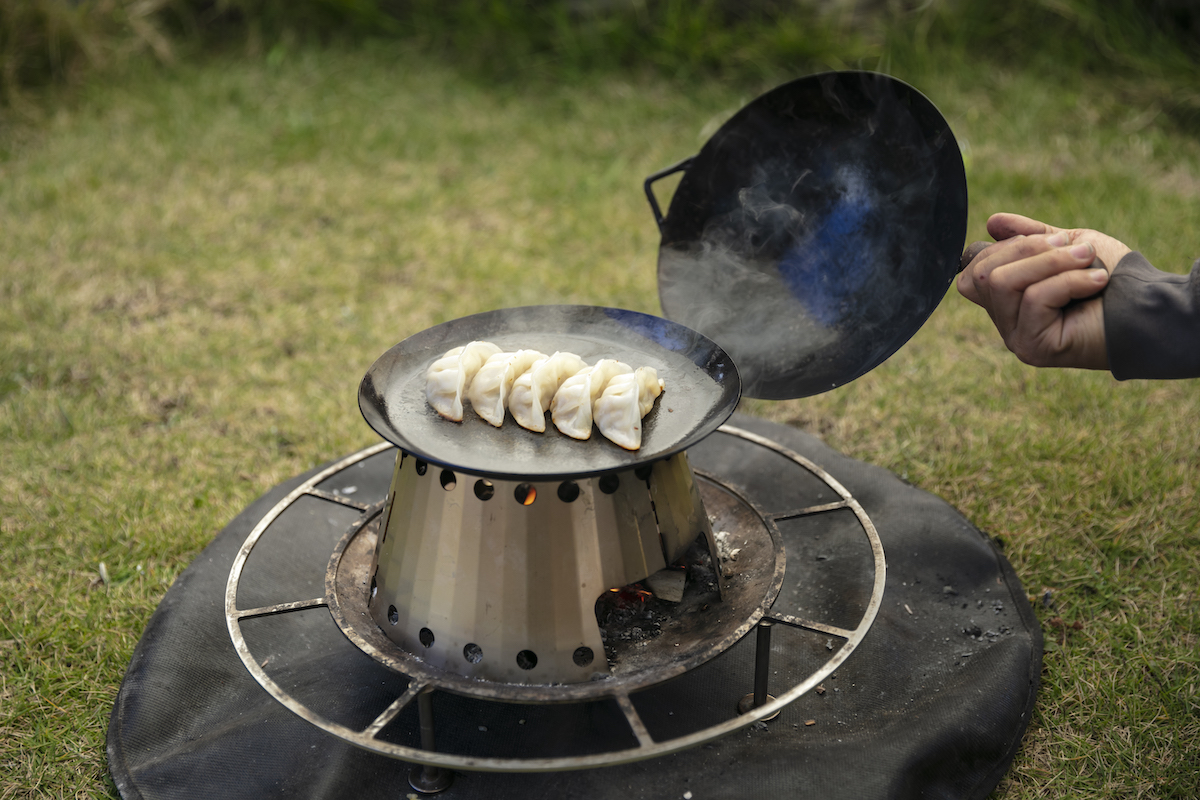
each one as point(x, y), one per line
point(819, 253)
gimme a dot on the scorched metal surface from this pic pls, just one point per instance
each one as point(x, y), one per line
point(702, 390)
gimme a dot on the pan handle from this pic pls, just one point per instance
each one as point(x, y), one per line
point(680, 167)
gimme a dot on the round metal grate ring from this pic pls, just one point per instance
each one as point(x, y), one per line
point(369, 736)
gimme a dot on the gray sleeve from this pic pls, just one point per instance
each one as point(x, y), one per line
point(1152, 321)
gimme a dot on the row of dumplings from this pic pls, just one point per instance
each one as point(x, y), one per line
point(527, 384)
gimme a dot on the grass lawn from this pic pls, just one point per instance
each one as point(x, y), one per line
point(197, 265)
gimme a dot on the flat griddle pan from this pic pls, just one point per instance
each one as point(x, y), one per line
point(702, 390)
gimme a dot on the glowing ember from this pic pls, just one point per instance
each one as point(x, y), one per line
point(631, 595)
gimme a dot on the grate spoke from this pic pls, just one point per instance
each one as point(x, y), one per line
point(802, 512)
point(807, 624)
point(280, 608)
point(635, 721)
point(338, 498)
point(390, 713)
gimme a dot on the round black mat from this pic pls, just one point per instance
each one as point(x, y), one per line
point(933, 703)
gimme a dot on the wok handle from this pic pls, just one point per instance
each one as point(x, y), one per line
point(680, 167)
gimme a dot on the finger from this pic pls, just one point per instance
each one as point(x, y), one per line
point(972, 279)
point(1050, 296)
point(966, 287)
point(1019, 275)
point(1009, 284)
point(972, 251)
point(1005, 226)
point(999, 255)
point(1050, 334)
point(1072, 336)
point(1109, 251)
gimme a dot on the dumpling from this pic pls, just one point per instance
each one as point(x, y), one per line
point(571, 408)
point(625, 400)
point(448, 378)
point(533, 390)
point(650, 386)
point(488, 393)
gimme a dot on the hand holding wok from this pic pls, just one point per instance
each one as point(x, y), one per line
point(1040, 285)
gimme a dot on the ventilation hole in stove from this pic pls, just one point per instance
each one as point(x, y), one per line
point(374, 589)
point(525, 494)
point(643, 473)
point(426, 637)
point(484, 490)
point(473, 653)
point(609, 483)
point(421, 467)
point(448, 480)
point(583, 656)
point(568, 491)
point(526, 659)
point(393, 615)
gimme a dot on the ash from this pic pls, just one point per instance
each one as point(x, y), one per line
point(727, 552)
point(630, 614)
point(633, 614)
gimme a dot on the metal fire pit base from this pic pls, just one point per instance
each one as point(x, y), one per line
point(933, 702)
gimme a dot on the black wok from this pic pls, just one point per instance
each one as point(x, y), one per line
point(816, 231)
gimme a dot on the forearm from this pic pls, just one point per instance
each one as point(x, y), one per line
point(1152, 321)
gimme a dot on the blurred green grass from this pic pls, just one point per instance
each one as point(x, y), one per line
point(199, 263)
point(57, 41)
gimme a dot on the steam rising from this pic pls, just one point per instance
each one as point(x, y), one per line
point(809, 258)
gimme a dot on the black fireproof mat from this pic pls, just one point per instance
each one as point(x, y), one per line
point(933, 704)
